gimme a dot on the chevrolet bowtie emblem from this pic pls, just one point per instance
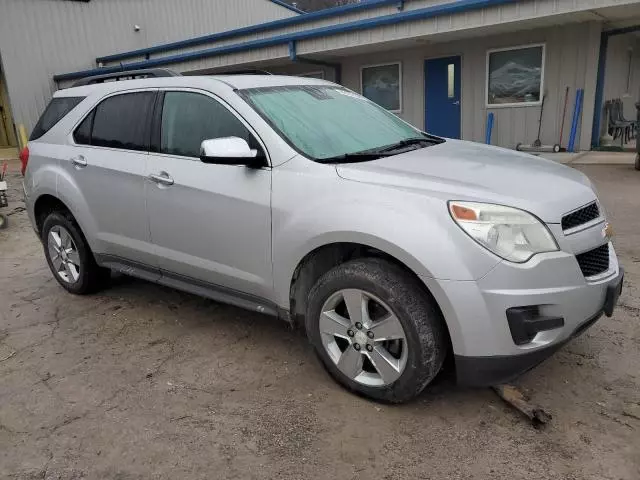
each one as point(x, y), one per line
point(607, 231)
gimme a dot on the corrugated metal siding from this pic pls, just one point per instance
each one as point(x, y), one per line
point(521, 11)
point(39, 38)
point(617, 83)
point(568, 52)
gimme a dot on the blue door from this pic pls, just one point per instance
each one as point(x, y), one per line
point(442, 96)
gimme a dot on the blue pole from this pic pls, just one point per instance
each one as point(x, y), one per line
point(578, 115)
point(489, 128)
point(572, 134)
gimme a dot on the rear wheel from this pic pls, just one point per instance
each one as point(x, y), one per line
point(69, 256)
point(376, 330)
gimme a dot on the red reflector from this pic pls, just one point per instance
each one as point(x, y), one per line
point(24, 159)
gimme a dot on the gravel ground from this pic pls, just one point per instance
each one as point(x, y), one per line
point(142, 381)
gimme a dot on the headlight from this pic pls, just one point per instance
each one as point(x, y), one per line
point(512, 234)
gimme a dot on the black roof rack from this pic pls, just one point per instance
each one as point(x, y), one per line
point(247, 71)
point(131, 75)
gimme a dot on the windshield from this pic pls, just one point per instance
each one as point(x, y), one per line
point(326, 122)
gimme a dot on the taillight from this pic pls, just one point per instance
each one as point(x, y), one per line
point(24, 159)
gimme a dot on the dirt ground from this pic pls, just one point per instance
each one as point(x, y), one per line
point(142, 381)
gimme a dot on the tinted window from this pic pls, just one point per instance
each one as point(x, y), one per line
point(190, 118)
point(122, 121)
point(82, 135)
point(57, 108)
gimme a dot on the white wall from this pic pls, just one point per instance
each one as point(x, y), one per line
point(40, 38)
point(571, 60)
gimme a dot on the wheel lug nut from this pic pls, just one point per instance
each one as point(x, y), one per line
point(356, 346)
point(350, 333)
point(370, 334)
point(369, 348)
point(358, 325)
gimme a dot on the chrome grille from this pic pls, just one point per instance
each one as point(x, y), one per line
point(594, 261)
point(580, 216)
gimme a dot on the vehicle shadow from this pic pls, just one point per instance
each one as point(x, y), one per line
point(264, 333)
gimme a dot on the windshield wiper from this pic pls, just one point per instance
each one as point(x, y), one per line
point(408, 142)
point(354, 157)
point(385, 151)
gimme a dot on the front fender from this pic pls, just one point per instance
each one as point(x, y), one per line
point(409, 226)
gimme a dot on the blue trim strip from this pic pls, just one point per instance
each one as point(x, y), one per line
point(287, 6)
point(261, 27)
point(405, 16)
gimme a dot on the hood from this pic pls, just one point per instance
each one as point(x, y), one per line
point(459, 170)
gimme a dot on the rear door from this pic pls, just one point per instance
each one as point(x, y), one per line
point(210, 223)
point(108, 166)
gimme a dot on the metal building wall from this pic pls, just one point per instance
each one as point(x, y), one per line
point(571, 54)
point(40, 38)
point(620, 81)
point(496, 16)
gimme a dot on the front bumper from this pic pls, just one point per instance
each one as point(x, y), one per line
point(484, 344)
point(494, 370)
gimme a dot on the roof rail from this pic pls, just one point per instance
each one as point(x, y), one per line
point(246, 71)
point(123, 75)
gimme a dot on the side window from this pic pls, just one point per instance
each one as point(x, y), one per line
point(82, 135)
point(189, 118)
point(55, 111)
point(122, 121)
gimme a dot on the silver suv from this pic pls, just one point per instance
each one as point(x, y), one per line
point(301, 199)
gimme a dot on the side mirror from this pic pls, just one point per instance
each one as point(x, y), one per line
point(230, 151)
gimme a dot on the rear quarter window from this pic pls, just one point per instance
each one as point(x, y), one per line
point(55, 111)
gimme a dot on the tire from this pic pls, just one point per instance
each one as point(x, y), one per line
point(423, 348)
point(84, 275)
point(4, 221)
point(637, 163)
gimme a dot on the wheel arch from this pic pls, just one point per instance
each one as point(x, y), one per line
point(325, 257)
point(44, 205)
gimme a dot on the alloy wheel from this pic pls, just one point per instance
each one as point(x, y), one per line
point(363, 337)
point(64, 254)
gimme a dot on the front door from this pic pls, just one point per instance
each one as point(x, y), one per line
point(209, 223)
point(442, 96)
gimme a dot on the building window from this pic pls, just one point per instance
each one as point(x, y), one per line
point(382, 84)
point(515, 76)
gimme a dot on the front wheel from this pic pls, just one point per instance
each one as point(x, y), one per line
point(637, 161)
point(376, 330)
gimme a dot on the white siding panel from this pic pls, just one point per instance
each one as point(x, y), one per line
point(568, 63)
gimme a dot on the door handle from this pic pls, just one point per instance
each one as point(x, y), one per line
point(457, 102)
point(79, 161)
point(162, 178)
